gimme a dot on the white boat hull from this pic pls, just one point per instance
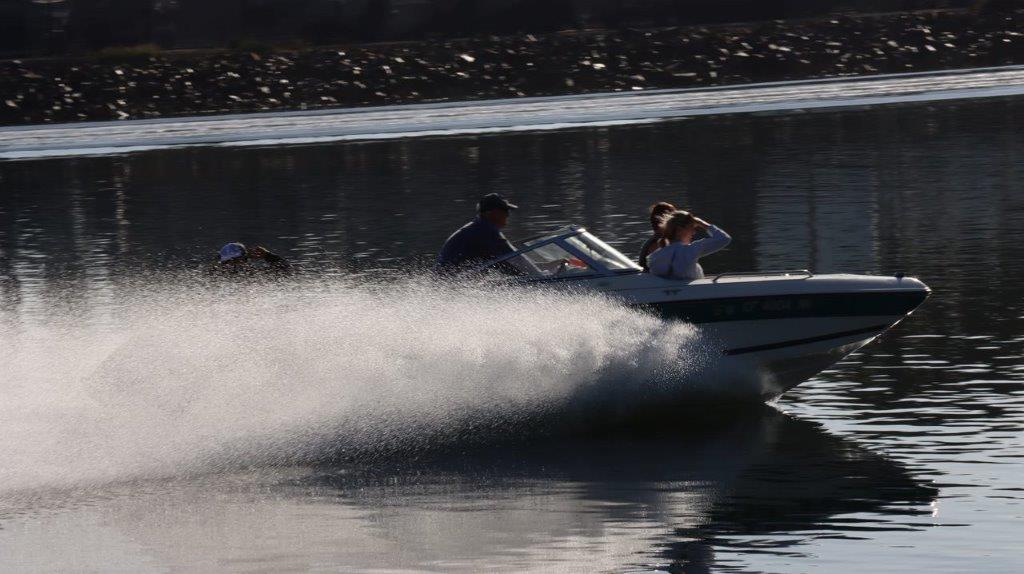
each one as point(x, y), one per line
point(774, 331)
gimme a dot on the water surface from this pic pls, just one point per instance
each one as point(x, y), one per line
point(905, 457)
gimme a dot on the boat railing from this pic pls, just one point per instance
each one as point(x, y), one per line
point(794, 273)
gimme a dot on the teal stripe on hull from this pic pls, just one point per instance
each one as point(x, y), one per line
point(892, 303)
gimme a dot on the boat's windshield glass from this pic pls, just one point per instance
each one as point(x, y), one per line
point(542, 238)
point(568, 252)
point(600, 252)
point(551, 260)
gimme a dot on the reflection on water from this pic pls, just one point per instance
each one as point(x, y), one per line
point(916, 464)
point(682, 497)
point(846, 191)
point(696, 485)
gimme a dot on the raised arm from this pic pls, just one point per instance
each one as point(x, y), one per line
point(716, 240)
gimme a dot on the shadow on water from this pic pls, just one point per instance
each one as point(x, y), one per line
point(708, 481)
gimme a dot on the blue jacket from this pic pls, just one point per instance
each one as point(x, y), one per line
point(474, 243)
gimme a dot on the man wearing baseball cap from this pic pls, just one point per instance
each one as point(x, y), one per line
point(479, 240)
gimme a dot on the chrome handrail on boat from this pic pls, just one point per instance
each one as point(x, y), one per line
point(803, 273)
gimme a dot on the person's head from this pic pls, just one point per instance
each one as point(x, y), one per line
point(680, 226)
point(233, 254)
point(658, 213)
point(495, 208)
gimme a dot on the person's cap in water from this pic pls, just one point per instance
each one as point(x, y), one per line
point(494, 201)
point(232, 251)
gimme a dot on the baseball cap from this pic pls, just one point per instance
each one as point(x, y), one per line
point(494, 201)
point(232, 251)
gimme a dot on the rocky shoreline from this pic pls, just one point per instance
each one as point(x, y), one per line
point(151, 85)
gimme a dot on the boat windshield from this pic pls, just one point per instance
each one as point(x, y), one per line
point(600, 252)
point(547, 237)
point(569, 252)
point(550, 260)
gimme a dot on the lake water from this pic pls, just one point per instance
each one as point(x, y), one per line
point(151, 425)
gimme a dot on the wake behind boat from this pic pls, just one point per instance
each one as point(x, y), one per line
point(775, 329)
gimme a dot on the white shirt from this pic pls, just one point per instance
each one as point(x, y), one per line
point(678, 260)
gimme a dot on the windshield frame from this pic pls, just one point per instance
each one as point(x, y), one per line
point(559, 237)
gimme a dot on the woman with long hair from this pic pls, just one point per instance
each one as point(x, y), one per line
point(658, 240)
point(679, 259)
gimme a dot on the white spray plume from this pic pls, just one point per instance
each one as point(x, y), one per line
point(178, 380)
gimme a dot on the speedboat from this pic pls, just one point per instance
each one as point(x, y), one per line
point(775, 329)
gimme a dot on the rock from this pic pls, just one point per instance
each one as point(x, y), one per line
point(57, 90)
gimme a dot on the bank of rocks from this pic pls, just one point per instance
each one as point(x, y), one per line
point(179, 84)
